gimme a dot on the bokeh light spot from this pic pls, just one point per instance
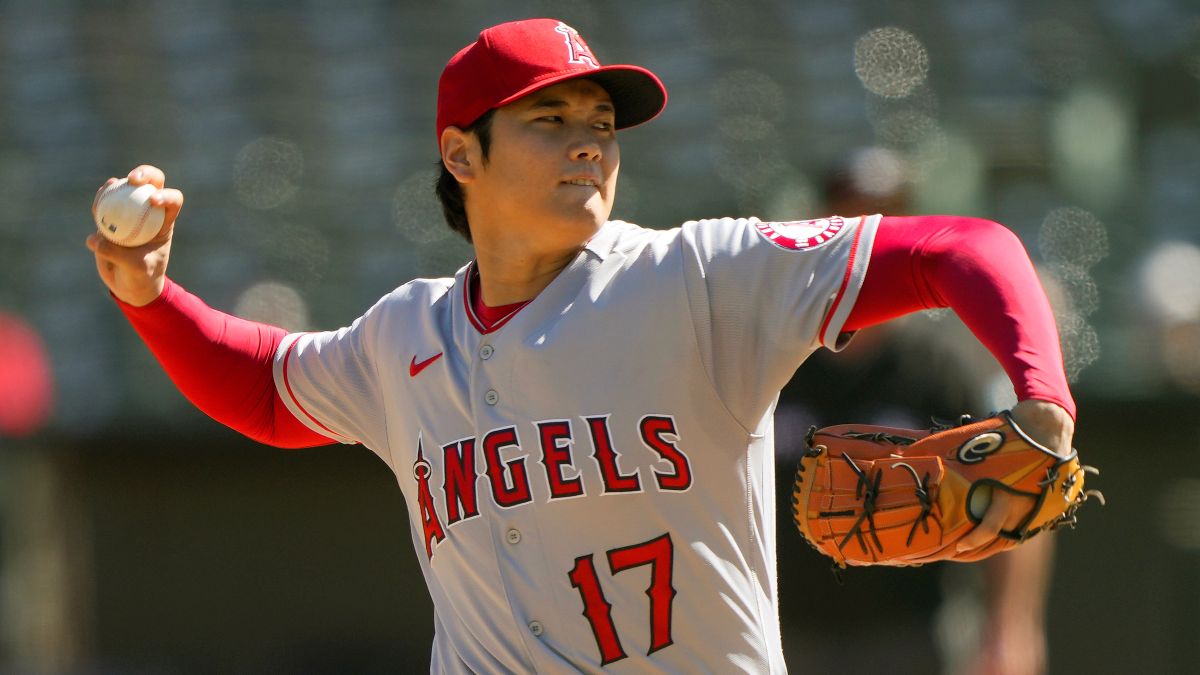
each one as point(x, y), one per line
point(949, 174)
point(416, 211)
point(877, 171)
point(1080, 343)
point(1055, 53)
point(1170, 282)
point(273, 303)
point(791, 199)
point(749, 105)
point(1073, 236)
point(906, 128)
point(267, 171)
point(1081, 292)
point(1092, 138)
point(890, 61)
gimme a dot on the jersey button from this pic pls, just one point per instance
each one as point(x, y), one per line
point(486, 351)
point(491, 397)
point(514, 536)
point(536, 628)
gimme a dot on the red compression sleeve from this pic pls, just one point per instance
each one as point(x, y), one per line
point(980, 270)
point(222, 364)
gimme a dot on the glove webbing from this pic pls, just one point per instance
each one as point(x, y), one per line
point(868, 490)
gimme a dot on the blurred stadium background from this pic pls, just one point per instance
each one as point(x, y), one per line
point(136, 536)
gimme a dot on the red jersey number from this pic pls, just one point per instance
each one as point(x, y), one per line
point(659, 554)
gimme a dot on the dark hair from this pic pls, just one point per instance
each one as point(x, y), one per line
point(448, 190)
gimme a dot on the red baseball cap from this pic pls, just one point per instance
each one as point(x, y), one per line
point(517, 58)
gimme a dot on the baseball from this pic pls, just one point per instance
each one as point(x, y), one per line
point(981, 498)
point(124, 214)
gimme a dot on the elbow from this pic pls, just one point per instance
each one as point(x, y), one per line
point(975, 242)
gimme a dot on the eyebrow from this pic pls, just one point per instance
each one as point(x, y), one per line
point(558, 104)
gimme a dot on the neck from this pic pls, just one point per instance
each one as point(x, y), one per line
point(506, 277)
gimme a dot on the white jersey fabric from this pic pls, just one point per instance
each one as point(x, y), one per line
point(590, 485)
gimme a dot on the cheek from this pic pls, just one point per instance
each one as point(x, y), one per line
point(610, 182)
point(612, 158)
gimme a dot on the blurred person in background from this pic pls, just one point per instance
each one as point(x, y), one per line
point(1004, 598)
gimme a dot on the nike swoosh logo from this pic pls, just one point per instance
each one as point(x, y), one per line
point(414, 367)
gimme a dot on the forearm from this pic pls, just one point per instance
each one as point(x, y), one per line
point(1018, 582)
point(981, 271)
point(221, 363)
point(1013, 639)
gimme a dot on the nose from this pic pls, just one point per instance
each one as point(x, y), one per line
point(588, 151)
point(585, 147)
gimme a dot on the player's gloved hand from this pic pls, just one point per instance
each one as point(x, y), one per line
point(875, 495)
point(137, 275)
point(1048, 424)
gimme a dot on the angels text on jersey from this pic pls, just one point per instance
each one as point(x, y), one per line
point(506, 463)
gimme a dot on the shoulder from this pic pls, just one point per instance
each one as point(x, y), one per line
point(626, 236)
point(794, 235)
point(418, 296)
point(419, 290)
point(719, 237)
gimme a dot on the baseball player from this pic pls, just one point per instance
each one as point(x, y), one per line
point(580, 418)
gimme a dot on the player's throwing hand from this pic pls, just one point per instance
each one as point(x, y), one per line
point(136, 275)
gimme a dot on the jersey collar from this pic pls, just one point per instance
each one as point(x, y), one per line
point(602, 243)
point(599, 247)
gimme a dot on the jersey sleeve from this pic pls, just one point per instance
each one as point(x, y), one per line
point(329, 381)
point(981, 270)
point(765, 295)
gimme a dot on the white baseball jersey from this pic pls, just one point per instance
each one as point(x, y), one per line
point(590, 484)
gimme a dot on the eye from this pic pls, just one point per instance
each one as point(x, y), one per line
point(555, 119)
point(604, 126)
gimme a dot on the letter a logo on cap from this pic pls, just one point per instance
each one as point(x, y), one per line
point(577, 50)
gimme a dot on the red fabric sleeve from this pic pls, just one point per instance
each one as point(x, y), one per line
point(222, 364)
point(979, 269)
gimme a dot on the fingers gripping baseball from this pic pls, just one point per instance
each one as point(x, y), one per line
point(136, 274)
point(1052, 427)
point(1004, 511)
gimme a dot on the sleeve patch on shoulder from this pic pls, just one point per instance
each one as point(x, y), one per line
point(801, 235)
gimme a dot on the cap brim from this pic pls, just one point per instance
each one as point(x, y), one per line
point(638, 95)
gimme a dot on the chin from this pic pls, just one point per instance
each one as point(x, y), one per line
point(586, 218)
point(599, 211)
point(577, 220)
point(572, 232)
point(587, 226)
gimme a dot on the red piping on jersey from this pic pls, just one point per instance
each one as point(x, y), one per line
point(477, 321)
point(837, 300)
point(466, 295)
point(288, 385)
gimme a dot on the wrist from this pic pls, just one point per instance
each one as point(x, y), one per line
point(141, 297)
point(1048, 424)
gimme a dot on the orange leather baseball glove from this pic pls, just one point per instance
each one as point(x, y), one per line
point(872, 495)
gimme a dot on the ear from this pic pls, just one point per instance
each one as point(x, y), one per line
point(460, 153)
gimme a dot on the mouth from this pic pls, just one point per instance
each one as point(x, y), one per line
point(588, 182)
